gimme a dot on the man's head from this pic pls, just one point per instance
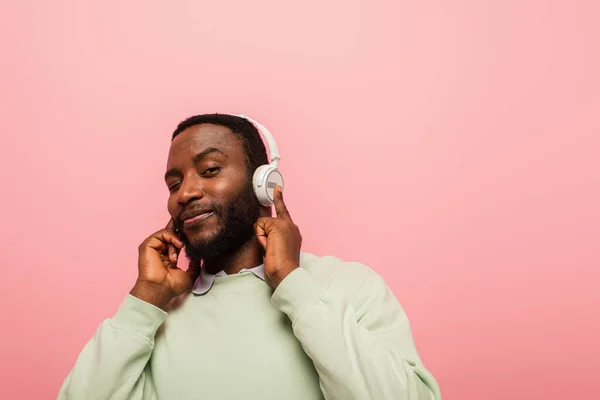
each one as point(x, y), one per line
point(209, 176)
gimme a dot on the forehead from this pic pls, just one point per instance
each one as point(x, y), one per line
point(197, 138)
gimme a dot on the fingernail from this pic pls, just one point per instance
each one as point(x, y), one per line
point(175, 256)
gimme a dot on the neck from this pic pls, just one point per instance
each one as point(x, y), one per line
point(248, 256)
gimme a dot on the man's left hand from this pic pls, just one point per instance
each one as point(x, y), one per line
point(281, 240)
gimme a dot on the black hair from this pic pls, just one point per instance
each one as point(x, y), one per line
point(252, 143)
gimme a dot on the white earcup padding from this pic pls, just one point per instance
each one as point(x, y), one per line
point(264, 181)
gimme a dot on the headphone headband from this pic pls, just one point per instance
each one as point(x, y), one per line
point(273, 151)
point(266, 177)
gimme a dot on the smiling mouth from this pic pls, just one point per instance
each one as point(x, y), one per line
point(197, 218)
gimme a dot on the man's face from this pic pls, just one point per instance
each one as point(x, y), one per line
point(210, 191)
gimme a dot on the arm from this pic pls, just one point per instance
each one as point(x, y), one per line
point(112, 365)
point(360, 343)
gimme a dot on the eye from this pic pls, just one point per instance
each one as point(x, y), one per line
point(211, 171)
point(173, 186)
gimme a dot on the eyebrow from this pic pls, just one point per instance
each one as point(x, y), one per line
point(197, 158)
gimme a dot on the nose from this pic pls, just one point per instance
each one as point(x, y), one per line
point(191, 189)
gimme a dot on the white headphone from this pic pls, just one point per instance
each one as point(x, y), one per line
point(267, 176)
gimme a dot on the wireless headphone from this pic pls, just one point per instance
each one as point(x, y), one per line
point(267, 176)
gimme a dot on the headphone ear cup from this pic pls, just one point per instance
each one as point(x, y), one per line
point(264, 181)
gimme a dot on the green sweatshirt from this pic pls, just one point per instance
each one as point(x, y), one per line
point(331, 330)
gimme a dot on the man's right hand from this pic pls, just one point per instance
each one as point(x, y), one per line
point(159, 278)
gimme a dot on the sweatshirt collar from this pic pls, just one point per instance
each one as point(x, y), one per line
point(206, 279)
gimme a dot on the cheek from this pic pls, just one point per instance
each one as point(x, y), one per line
point(172, 205)
point(223, 186)
point(226, 188)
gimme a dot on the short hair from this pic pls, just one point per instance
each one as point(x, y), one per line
point(252, 143)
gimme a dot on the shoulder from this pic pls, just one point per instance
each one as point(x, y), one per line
point(333, 272)
point(357, 284)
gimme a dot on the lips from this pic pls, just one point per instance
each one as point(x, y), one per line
point(197, 218)
point(195, 215)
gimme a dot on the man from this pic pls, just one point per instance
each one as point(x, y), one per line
point(252, 317)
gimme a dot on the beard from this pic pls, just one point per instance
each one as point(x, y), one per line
point(235, 227)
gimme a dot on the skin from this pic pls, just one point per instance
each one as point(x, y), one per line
point(215, 178)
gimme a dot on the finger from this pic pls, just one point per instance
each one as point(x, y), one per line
point(261, 235)
point(193, 270)
point(161, 240)
point(170, 225)
point(280, 208)
point(173, 253)
point(171, 238)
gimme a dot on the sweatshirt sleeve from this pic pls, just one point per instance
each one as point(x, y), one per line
point(360, 341)
point(112, 365)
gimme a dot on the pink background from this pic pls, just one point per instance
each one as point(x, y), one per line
point(456, 146)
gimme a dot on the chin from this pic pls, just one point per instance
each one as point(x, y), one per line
point(202, 231)
point(202, 237)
